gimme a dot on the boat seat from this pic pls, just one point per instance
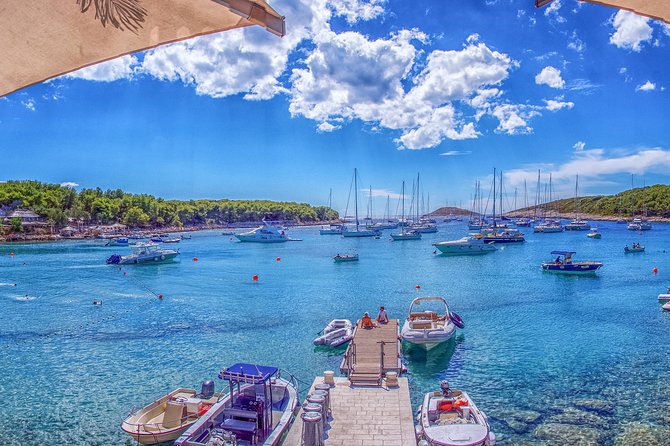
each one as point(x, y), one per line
point(420, 324)
point(174, 414)
point(240, 413)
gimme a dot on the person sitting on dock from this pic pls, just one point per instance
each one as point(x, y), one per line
point(382, 317)
point(366, 321)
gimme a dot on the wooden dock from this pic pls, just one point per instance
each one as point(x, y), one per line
point(370, 416)
point(372, 353)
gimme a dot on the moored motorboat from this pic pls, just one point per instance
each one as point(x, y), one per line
point(336, 333)
point(258, 410)
point(144, 253)
point(471, 245)
point(449, 417)
point(635, 247)
point(172, 240)
point(594, 233)
point(406, 235)
point(664, 297)
point(334, 229)
point(577, 225)
point(185, 236)
point(120, 241)
point(340, 258)
point(169, 416)
point(564, 264)
point(264, 234)
point(429, 328)
point(506, 236)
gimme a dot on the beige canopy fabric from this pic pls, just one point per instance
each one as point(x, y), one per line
point(656, 9)
point(47, 38)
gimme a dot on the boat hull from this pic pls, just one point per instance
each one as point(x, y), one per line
point(364, 233)
point(260, 239)
point(504, 239)
point(575, 269)
point(398, 237)
point(633, 250)
point(465, 250)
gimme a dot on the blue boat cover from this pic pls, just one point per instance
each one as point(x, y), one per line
point(563, 253)
point(248, 373)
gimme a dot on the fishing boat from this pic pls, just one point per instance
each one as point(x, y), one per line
point(406, 233)
point(471, 245)
point(357, 231)
point(564, 264)
point(449, 417)
point(594, 234)
point(258, 410)
point(264, 234)
point(635, 247)
point(169, 416)
point(341, 258)
point(429, 328)
point(144, 253)
point(119, 241)
point(336, 333)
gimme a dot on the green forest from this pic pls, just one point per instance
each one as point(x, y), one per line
point(94, 206)
point(655, 199)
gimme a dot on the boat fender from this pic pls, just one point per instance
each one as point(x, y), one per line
point(162, 257)
point(445, 406)
point(461, 402)
point(456, 319)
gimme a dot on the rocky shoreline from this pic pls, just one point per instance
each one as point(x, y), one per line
point(589, 217)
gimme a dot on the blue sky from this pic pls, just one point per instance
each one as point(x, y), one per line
point(447, 88)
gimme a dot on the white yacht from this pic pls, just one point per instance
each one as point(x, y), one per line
point(470, 245)
point(639, 224)
point(264, 234)
point(429, 328)
point(144, 253)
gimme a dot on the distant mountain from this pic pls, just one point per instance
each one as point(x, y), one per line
point(627, 204)
point(449, 210)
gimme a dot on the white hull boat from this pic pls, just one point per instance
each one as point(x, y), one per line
point(144, 253)
point(465, 246)
point(450, 418)
point(427, 329)
point(331, 230)
point(631, 249)
point(425, 228)
point(342, 258)
point(258, 410)
point(169, 416)
point(664, 297)
point(264, 234)
point(406, 235)
point(357, 232)
point(336, 333)
point(666, 306)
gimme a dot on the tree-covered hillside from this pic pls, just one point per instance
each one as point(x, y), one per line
point(57, 204)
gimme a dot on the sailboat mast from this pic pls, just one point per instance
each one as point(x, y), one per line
point(330, 198)
point(501, 195)
point(494, 198)
point(418, 178)
point(356, 195)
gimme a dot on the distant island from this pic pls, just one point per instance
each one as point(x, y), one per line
point(654, 201)
point(36, 210)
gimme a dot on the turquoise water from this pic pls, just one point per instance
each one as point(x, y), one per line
point(70, 371)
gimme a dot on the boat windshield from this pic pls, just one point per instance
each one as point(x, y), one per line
point(428, 308)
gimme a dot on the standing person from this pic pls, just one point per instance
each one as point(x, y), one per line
point(382, 317)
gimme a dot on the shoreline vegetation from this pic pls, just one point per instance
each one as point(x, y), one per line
point(64, 213)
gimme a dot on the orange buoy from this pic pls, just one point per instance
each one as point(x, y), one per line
point(195, 259)
point(278, 259)
point(254, 278)
point(655, 270)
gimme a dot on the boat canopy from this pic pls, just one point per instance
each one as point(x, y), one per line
point(564, 253)
point(248, 373)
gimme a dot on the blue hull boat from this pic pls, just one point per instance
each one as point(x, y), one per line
point(564, 264)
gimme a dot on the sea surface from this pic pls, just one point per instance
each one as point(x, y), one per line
point(551, 359)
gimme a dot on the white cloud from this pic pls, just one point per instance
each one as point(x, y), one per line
point(583, 86)
point(579, 146)
point(513, 118)
point(356, 10)
point(647, 86)
point(552, 11)
point(327, 127)
point(554, 105)
point(69, 184)
point(550, 76)
point(456, 152)
point(120, 68)
point(631, 30)
point(29, 104)
point(381, 193)
point(576, 44)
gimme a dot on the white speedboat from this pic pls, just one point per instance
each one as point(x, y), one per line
point(169, 416)
point(144, 253)
point(258, 410)
point(336, 333)
point(450, 418)
point(470, 245)
point(594, 233)
point(430, 327)
point(264, 234)
point(548, 227)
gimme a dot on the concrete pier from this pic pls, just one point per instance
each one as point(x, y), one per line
point(365, 416)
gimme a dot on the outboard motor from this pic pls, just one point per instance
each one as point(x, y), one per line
point(207, 389)
point(444, 386)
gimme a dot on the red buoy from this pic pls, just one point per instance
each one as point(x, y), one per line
point(160, 296)
point(124, 273)
point(195, 259)
point(655, 270)
point(11, 254)
point(278, 259)
point(418, 287)
point(254, 278)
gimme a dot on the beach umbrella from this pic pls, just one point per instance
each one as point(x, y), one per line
point(45, 39)
point(656, 9)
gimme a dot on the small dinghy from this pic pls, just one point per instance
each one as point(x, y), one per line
point(169, 416)
point(594, 233)
point(340, 258)
point(336, 333)
point(430, 327)
point(635, 248)
point(450, 418)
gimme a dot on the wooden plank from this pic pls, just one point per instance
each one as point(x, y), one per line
point(367, 344)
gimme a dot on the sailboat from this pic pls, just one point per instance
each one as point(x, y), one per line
point(333, 229)
point(357, 231)
point(577, 224)
point(405, 234)
point(548, 225)
point(497, 235)
point(641, 224)
point(422, 224)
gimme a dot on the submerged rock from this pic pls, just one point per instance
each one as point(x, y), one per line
point(556, 434)
point(641, 434)
point(578, 417)
point(520, 421)
point(599, 406)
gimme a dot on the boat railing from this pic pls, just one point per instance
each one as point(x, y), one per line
point(350, 357)
point(381, 359)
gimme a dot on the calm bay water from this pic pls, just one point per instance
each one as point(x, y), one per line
point(533, 346)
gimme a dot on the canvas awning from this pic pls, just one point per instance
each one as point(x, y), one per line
point(45, 39)
point(656, 9)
